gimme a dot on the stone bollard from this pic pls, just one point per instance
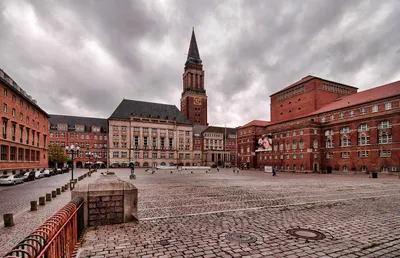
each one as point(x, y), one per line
point(53, 194)
point(33, 205)
point(62, 188)
point(58, 190)
point(8, 220)
point(42, 200)
point(48, 197)
point(66, 186)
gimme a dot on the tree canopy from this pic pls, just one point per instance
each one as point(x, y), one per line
point(56, 155)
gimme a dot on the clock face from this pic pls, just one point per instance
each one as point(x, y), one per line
point(197, 101)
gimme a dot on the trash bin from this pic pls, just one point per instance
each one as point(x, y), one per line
point(374, 174)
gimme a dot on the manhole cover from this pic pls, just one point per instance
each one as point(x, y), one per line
point(164, 242)
point(241, 238)
point(308, 234)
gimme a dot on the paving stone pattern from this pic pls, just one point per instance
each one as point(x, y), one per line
point(194, 215)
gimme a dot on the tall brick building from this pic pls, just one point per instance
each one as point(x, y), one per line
point(23, 145)
point(194, 97)
point(319, 125)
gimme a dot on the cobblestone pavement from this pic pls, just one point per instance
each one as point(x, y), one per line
point(25, 220)
point(222, 214)
point(16, 199)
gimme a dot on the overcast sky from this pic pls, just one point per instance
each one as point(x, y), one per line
point(83, 57)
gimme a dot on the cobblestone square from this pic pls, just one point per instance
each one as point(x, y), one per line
point(251, 214)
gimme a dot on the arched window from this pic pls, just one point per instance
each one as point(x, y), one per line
point(329, 143)
point(328, 132)
point(281, 146)
point(384, 124)
point(345, 141)
point(294, 167)
point(287, 145)
point(384, 138)
point(287, 167)
point(384, 169)
point(344, 130)
point(315, 144)
point(363, 139)
point(363, 128)
point(162, 164)
point(145, 164)
point(345, 169)
point(137, 164)
point(364, 169)
point(301, 144)
point(294, 145)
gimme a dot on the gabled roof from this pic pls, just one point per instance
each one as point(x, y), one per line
point(256, 123)
point(308, 78)
point(88, 122)
point(128, 107)
point(193, 53)
point(377, 93)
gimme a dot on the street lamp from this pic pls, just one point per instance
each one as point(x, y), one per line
point(71, 150)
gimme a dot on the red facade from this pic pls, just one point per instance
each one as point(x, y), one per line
point(23, 143)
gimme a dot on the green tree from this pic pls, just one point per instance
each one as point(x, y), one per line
point(56, 155)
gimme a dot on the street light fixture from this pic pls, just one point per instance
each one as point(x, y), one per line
point(89, 155)
point(71, 150)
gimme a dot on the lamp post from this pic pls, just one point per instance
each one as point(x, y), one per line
point(71, 150)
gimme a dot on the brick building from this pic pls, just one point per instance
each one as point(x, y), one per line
point(356, 132)
point(89, 133)
point(150, 134)
point(194, 97)
point(23, 145)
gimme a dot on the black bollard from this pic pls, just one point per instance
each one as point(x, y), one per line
point(62, 188)
point(53, 194)
point(48, 197)
point(33, 205)
point(58, 191)
point(42, 200)
point(8, 220)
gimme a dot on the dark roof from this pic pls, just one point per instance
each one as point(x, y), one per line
point(193, 53)
point(88, 122)
point(256, 123)
point(128, 107)
point(217, 129)
point(198, 129)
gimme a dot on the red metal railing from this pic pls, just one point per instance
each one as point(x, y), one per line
point(56, 237)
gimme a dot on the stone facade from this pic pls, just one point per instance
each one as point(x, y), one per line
point(106, 209)
point(25, 129)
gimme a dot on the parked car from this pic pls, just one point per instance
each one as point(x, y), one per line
point(10, 180)
point(46, 173)
point(39, 174)
point(64, 170)
point(28, 176)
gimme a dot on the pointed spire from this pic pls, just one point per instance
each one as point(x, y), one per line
point(193, 53)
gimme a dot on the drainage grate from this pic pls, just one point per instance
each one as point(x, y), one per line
point(164, 242)
point(241, 238)
point(304, 233)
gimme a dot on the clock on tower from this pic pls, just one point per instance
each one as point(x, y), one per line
point(197, 101)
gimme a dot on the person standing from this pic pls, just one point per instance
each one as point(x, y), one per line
point(273, 172)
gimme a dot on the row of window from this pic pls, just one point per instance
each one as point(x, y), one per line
point(77, 136)
point(351, 113)
point(21, 103)
point(21, 117)
point(336, 89)
point(360, 154)
point(147, 155)
point(80, 144)
point(8, 153)
point(290, 93)
point(24, 133)
point(77, 128)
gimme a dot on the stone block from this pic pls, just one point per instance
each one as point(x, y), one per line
point(108, 200)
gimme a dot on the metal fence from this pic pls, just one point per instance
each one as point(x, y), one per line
point(55, 238)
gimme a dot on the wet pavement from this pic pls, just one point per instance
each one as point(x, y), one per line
point(252, 214)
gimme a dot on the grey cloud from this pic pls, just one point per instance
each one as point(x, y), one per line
point(266, 45)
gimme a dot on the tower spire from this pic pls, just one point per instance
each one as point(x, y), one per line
point(193, 53)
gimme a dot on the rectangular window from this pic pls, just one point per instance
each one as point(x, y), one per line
point(329, 155)
point(13, 131)
point(351, 113)
point(5, 93)
point(375, 108)
point(385, 153)
point(136, 140)
point(171, 155)
point(136, 155)
point(170, 142)
point(388, 106)
point(20, 154)
point(4, 129)
point(187, 156)
point(124, 154)
point(5, 107)
point(345, 155)
point(4, 152)
point(363, 111)
point(13, 153)
point(115, 154)
point(33, 155)
point(341, 115)
point(155, 155)
point(363, 154)
point(27, 155)
point(145, 155)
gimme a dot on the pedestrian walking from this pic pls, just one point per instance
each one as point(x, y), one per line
point(273, 172)
point(217, 169)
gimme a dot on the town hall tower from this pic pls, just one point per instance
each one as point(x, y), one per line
point(194, 98)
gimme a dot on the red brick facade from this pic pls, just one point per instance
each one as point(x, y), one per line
point(23, 143)
point(356, 133)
